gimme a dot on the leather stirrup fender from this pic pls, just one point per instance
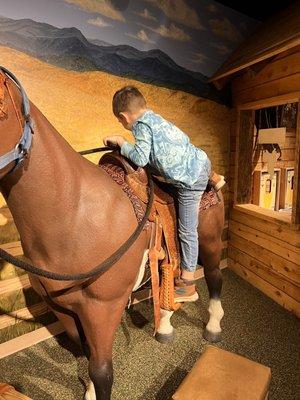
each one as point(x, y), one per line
point(156, 253)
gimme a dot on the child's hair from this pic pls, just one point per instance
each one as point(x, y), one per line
point(129, 98)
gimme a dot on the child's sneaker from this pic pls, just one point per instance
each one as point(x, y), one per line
point(185, 291)
point(217, 181)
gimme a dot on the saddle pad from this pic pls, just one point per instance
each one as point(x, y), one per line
point(118, 175)
point(209, 198)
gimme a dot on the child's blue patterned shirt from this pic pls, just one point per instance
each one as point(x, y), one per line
point(166, 149)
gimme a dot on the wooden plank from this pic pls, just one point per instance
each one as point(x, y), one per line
point(233, 116)
point(296, 191)
point(30, 339)
point(234, 170)
point(245, 144)
point(232, 145)
point(266, 53)
point(14, 248)
point(5, 211)
point(273, 229)
point(7, 271)
point(260, 166)
point(291, 97)
point(276, 69)
point(287, 155)
point(232, 158)
point(256, 187)
point(25, 314)
point(282, 186)
point(278, 264)
point(278, 87)
point(281, 219)
point(275, 246)
point(290, 142)
point(262, 270)
point(274, 293)
point(13, 284)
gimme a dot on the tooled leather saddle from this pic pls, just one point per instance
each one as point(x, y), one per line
point(164, 251)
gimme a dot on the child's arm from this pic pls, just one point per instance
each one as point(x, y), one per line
point(139, 152)
point(113, 141)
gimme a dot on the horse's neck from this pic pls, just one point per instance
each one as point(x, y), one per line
point(44, 194)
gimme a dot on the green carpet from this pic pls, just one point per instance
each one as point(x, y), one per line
point(253, 326)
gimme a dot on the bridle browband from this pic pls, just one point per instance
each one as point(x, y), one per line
point(20, 151)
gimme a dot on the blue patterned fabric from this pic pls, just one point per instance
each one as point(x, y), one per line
point(166, 149)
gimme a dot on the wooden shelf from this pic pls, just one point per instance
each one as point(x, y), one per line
point(263, 213)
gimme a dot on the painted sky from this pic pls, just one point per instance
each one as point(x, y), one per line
point(196, 34)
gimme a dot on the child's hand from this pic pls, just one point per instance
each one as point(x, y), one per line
point(113, 141)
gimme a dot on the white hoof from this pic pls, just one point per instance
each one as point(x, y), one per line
point(90, 394)
point(216, 314)
point(165, 326)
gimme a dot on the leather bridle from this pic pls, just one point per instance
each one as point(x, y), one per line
point(20, 151)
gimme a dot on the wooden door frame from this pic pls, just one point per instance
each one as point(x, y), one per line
point(270, 102)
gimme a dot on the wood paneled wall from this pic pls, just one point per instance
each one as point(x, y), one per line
point(264, 246)
point(279, 76)
point(266, 252)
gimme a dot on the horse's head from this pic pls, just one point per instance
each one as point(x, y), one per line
point(12, 123)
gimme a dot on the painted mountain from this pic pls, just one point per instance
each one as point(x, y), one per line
point(70, 49)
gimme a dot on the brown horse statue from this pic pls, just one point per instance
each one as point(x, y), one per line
point(62, 206)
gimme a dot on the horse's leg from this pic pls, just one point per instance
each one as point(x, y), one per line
point(100, 321)
point(69, 326)
point(210, 258)
point(72, 331)
point(165, 331)
point(67, 321)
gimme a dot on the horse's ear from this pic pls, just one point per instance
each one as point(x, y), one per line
point(3, 108)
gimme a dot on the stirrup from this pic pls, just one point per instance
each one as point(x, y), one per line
point(182, 289)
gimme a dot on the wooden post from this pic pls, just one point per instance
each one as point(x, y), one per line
point(244, 157)
point(282, 183)
point(256, 187)
point(296, 191)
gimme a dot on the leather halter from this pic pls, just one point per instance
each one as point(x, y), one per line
point(21, 149)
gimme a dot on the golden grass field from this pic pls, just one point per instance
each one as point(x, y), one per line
point(78, 104)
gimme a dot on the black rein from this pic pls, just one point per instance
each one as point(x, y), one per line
point(99, 269)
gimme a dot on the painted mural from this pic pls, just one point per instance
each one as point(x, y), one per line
point(72, 55)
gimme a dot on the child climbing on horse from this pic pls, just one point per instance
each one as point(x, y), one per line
point(169, 154)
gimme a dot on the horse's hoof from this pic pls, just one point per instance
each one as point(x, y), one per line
point(212, 337)
point(164, 338)
point(90, 393)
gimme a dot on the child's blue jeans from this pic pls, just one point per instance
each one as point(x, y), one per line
point(188, 214)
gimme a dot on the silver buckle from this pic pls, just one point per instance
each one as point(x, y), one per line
point(21, 149)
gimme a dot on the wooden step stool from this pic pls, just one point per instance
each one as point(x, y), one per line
point(221, 375)
point(8, 392)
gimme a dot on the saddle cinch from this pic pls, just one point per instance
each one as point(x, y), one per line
point(164, 251)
